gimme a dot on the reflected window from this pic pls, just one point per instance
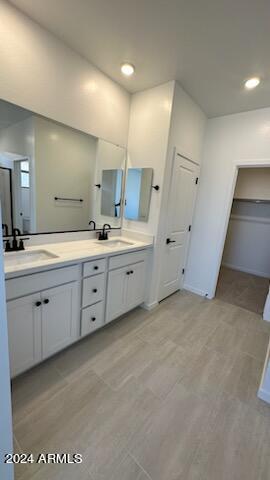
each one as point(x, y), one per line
point(24, 174)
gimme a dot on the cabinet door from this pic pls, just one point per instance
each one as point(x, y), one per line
point(116, 293)
point(24, 332)
point(60, 318)
point(136, 285)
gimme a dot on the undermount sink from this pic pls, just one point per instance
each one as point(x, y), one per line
point(114, 243)
point(25, 257)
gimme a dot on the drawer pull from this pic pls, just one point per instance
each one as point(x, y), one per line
point(94, 290)
point(95, 267)
point(93, 319)
point(46, 301)
point(37, 304)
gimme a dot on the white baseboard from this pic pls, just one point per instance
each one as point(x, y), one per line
point(150, 306)
point(246, 270)
point(264, 395)
point(197, 291)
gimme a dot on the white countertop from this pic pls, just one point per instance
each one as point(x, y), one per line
point(67, 253)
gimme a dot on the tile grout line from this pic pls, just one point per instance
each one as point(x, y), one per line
point(139, 465)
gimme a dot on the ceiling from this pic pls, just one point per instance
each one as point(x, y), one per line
point(10, 114)
point(210, 46)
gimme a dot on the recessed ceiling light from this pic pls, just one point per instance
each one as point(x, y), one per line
point(252, 83)
point(127, 69)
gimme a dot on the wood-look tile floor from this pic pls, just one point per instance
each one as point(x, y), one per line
point(165, 395)
point(242, 289)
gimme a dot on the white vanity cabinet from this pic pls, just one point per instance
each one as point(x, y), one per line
point(93, 295)
point(42, 323)
point(126, 285)
point(24, 333)
point(49, 310)
point(59, 318)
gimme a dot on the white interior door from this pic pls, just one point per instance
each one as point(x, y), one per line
point(5, 197)
point(180, 210)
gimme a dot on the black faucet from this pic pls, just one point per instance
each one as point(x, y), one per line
point(16, 245)
point(104, 234)
point(5, 229)
point(92, 223)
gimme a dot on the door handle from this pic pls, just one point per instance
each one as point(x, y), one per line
point(168, 240)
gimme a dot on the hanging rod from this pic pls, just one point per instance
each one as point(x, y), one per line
point(251, 200)
point(69, 199)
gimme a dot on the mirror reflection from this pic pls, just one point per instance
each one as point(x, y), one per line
point(111, 191)
point(49, 173)
point(138, 193)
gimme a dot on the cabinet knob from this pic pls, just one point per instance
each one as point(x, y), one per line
point(94, 290)
point(37, 304)
point(128, 273)
point(131, 271)
point(46, 301)
point(95, 267)
point(93, 319)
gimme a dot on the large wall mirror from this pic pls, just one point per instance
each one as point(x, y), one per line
point(54, 178)
point(138, 193)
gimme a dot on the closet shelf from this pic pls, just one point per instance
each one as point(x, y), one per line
point(252, 200)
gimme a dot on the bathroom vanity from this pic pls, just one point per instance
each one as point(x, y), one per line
point(58, 293)
point(59, 193)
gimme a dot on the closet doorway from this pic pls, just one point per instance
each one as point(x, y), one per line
point(245, 268)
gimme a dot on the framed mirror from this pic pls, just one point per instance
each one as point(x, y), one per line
point(138, 193)
point(48, 173)
point(109, 183)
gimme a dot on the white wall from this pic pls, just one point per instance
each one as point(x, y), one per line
point(18, 138)
point(149, 126)
point(64, 167)
point(161, 118)
point(6, 471)
point(187, 130)
point(229, 139)
point(40, 73)
point(253, 183)
point(247, 246)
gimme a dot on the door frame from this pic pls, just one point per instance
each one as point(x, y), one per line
point(237, 164)
point(177, 152)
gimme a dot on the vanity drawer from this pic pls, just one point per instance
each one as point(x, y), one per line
point(127, 259)
point(94, 267)
point(35, 282)
point(93, 289)
point(92, 318)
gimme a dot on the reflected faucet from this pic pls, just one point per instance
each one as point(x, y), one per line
point(5, 230)
point(92, 222)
